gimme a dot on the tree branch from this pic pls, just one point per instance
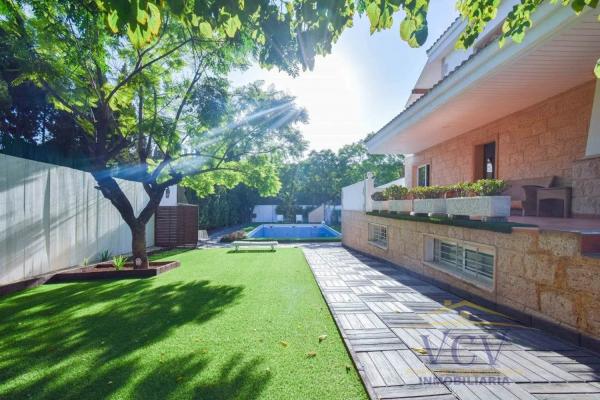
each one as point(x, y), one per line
point(139, 67)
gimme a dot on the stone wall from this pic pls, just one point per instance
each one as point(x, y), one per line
point(542, 140)
point(539, 275)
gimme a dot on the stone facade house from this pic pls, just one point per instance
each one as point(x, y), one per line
point(518, 112)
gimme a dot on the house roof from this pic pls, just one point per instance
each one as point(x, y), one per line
point(558, 53)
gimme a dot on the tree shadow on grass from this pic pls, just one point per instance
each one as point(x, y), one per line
point(45, 334)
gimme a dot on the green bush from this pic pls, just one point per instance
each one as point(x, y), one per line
point(462, 189)
point(105, 255)
point(428, 192)
point(119, 262)
point(396, 192)
point(483, 187)
point(379, 196)
point(488, 187)
point(233, 236)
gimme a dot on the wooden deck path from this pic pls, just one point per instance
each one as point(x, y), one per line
point(412, 340)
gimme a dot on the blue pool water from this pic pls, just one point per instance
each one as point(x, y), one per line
point(293, 231)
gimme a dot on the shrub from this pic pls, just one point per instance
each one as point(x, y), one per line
point(463, 189)
point(105, 255)
point(119, 262)
point(488, 187)
point(233, 236)
point(379, 196)
point(396, 192)
point(428, 192)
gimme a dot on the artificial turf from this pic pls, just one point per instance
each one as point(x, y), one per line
point(222, 326)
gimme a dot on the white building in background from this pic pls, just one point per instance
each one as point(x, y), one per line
point(264, 213)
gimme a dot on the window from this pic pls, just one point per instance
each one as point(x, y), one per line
point(467, 260)
point(378, 235)
point(423, 175)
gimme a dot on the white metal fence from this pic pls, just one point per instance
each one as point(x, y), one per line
point(52, 217)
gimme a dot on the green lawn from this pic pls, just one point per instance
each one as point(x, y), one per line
point(223, 326)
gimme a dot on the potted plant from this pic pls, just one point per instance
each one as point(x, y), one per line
point(380, 201)
point(481, 199)
point(429, 200)
point(398, 199)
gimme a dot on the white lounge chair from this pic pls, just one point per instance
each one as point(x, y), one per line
point(250, 244)
point(299, 218)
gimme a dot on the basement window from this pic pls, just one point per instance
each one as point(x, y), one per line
point(378, 235)
point(468, 261)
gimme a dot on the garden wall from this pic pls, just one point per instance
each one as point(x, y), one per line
point(52, 217)
point(540, 276)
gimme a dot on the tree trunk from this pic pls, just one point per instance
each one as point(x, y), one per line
point(138, 245)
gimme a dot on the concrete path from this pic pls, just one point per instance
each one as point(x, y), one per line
point(410, 339)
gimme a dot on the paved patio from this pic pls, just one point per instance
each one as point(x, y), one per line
point(410, 339)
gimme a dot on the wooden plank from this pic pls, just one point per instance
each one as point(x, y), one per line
point(565, 387)
point(386, 370)
point(540, 367)
point(410, 391)
point(373, 375)
point(512, 370)
point(419, 368)
point(402, 368)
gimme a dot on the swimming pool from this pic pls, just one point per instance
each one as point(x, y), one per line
point(294, 232)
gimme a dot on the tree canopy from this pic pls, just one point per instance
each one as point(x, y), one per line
point(320, 177)
point(297, 30)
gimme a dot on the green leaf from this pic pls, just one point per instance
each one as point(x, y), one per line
point(142, 16)
point(111, 20)
point(154, 21)
point(135, 36)
point(407, 28)
point(232, 25)
point(205, 29)
point(597, 69)
point(373, 12)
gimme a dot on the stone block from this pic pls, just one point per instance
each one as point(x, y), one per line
point(560, 244)
point(540, 268)
point(559, 306)
point(518, 241)
point(509, 263)
point(584, 278)
point(518, 291)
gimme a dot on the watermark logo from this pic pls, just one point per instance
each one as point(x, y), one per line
point(468, 349)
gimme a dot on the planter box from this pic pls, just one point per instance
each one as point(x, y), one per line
point(401, 206)
point(480, 206)
point(380, 205)
point(429, 206)
point(107, 271)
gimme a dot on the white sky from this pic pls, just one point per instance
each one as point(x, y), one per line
point(361, 85)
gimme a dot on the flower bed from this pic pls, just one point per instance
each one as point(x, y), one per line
point(108, 271)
